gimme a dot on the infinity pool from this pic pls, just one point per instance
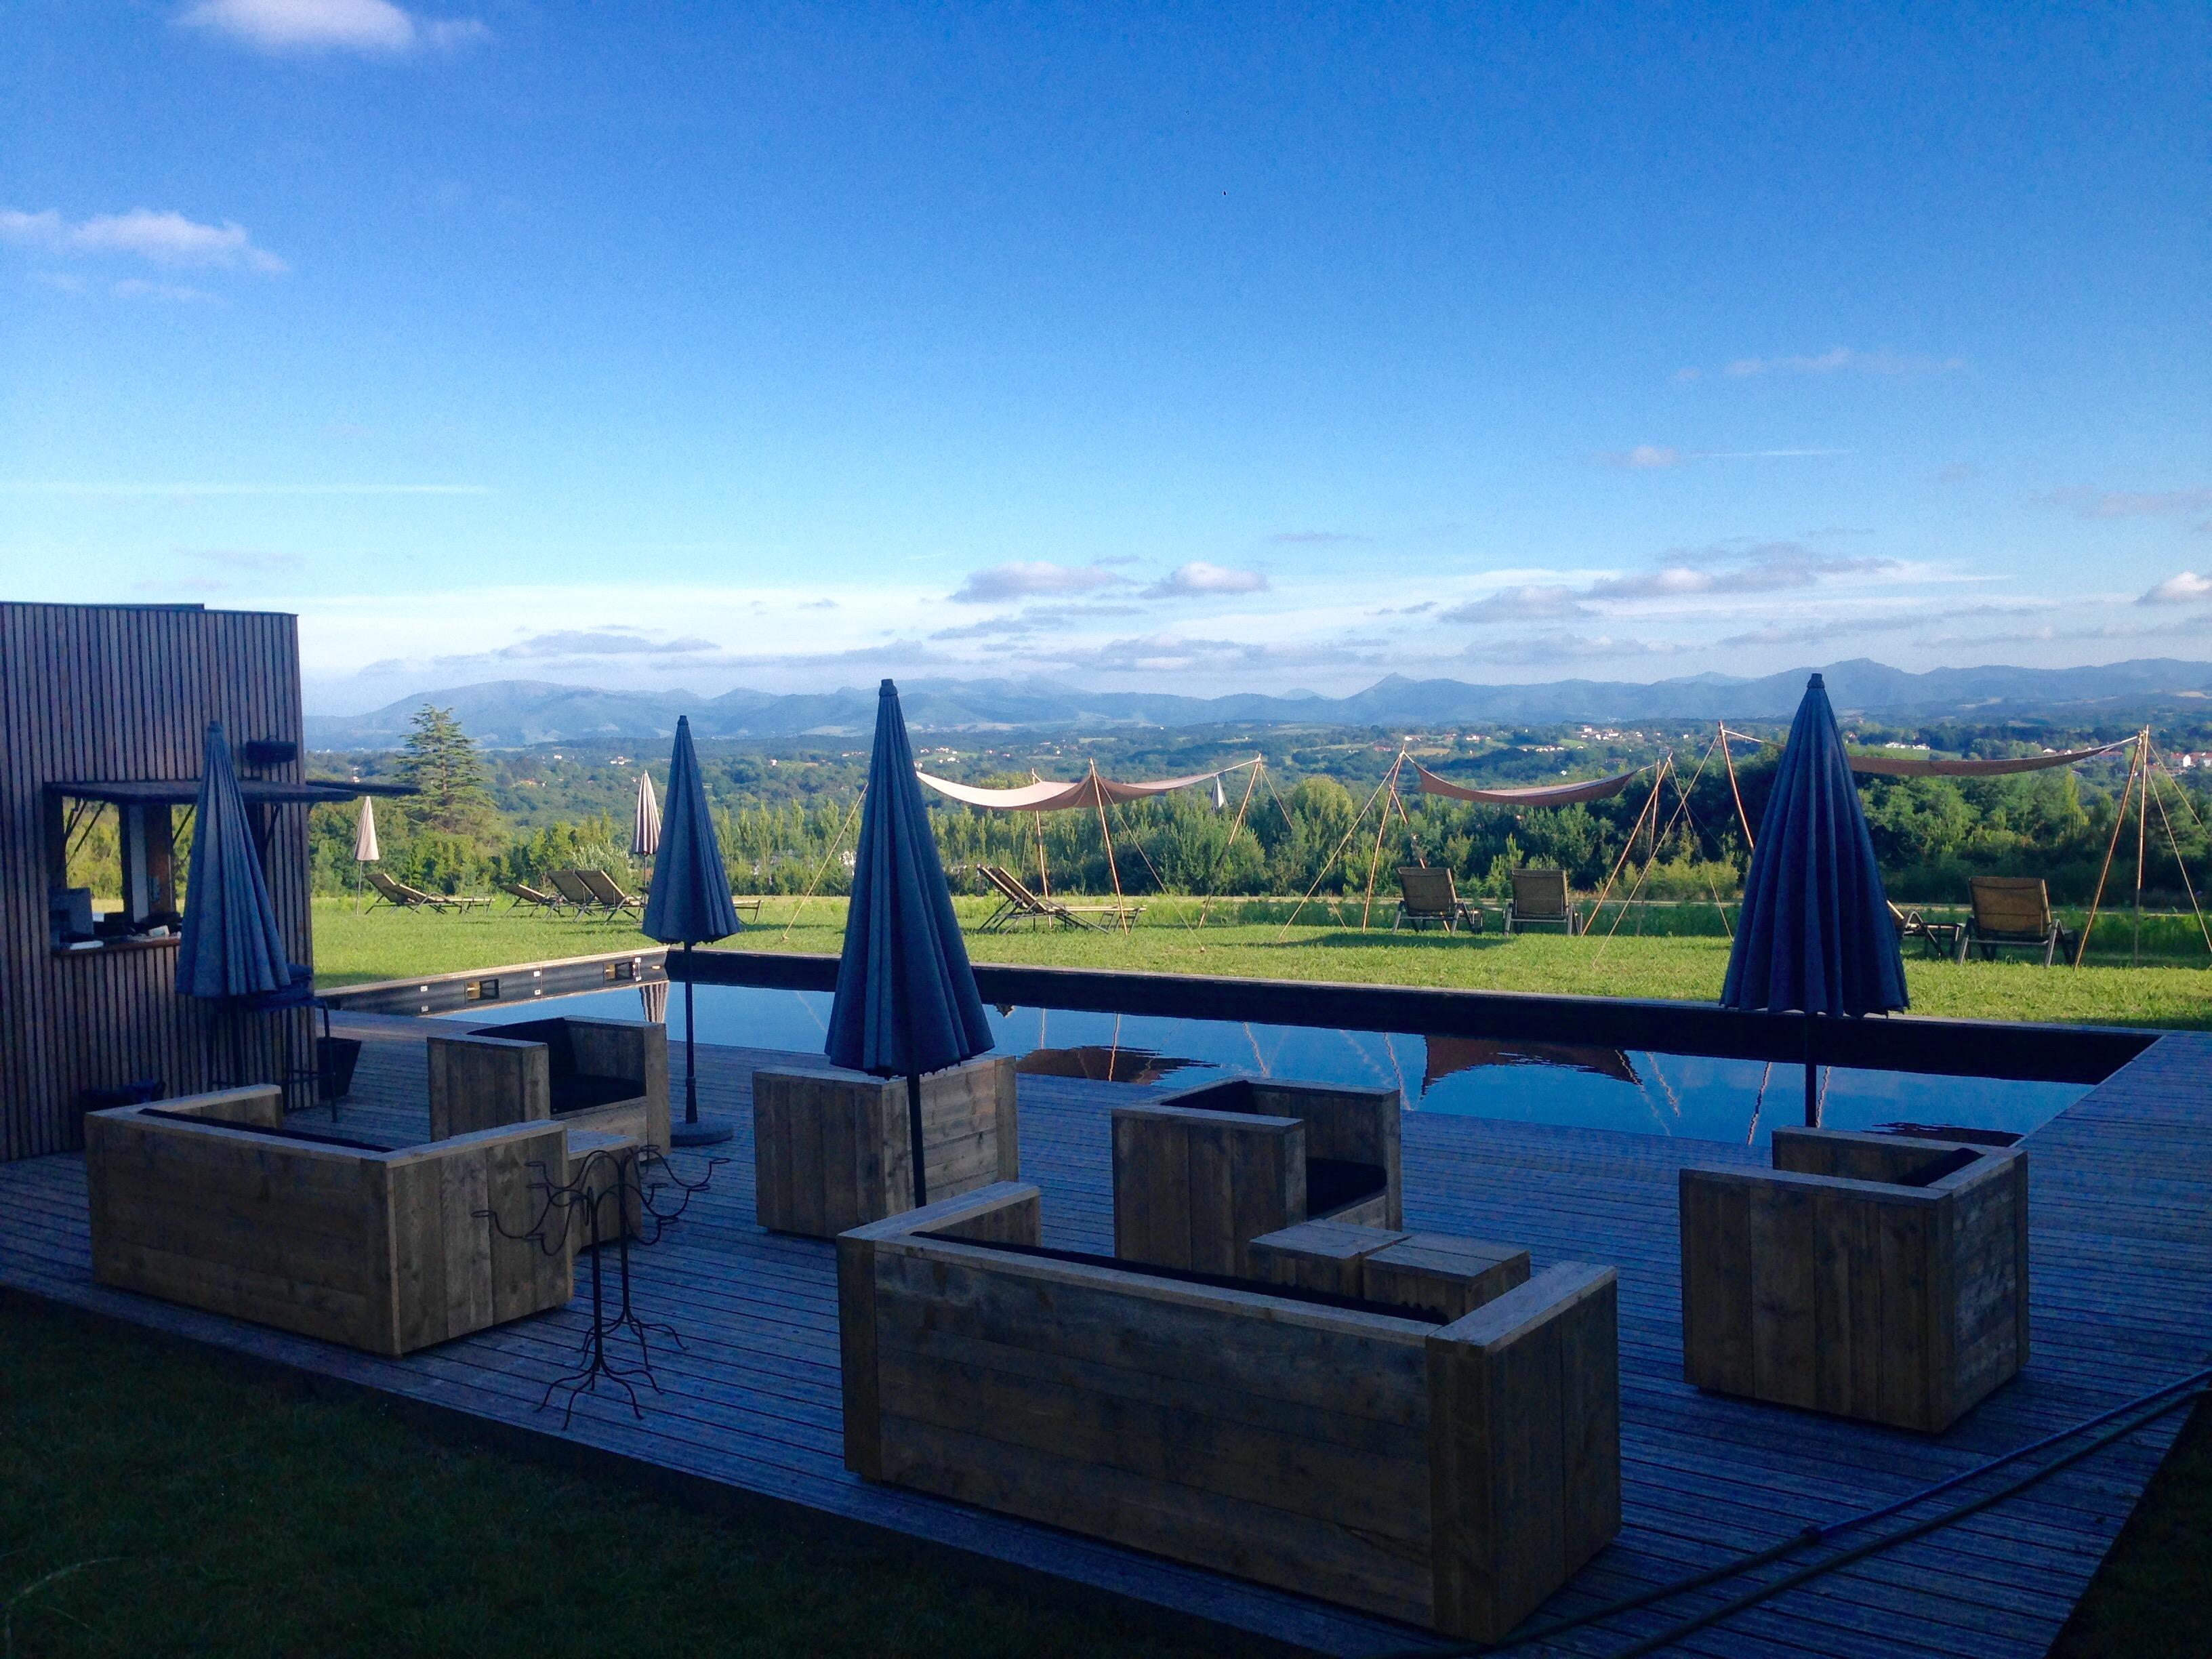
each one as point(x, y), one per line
point(1628, 1089)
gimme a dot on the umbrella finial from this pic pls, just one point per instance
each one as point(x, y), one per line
point(887, 690)
point(1816, 683)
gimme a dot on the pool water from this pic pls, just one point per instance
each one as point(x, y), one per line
point(1585, 1087)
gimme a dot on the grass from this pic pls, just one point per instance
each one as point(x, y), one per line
point(154, 1500)
point(384, 944)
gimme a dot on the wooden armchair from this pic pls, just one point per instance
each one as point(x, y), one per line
point(1871, 1276)
point(2014, 912)
point(610, 1075)
point(1200, 1173)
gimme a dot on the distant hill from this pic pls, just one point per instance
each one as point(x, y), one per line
point(518, 713)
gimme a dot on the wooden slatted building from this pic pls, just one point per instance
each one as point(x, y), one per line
point(101, 707)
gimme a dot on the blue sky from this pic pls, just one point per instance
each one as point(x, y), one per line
point(712, 346)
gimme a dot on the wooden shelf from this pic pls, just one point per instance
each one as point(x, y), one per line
point(109, 947)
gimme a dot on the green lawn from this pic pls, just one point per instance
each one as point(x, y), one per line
point(384, 944)
point(154, 1500)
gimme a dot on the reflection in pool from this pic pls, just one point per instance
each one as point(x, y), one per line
point(1571, 1084)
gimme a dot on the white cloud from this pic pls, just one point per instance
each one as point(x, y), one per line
point(137, 288)
point(1025, 579)
point(1199, 578)
point(1657, 458)
point(2185, 588)
point(161, 238)
point(1541, 650)
point(365, 26)
point(2131, 504)
point(1647, 458)
point(1529, 602)
point(1842, 359)
point(612, 641)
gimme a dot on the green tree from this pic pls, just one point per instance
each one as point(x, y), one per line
point(441, 760)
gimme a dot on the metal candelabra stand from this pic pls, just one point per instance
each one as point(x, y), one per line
point(648, 1197)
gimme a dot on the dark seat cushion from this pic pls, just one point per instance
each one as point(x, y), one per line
point(1334, 1182)
point(199, 1121)
point(580, 1091)
point(1950, 1164)
point(559, 1048)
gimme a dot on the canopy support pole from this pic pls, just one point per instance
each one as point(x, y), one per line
point(1750, 845)
point(823, 866)
point(2119, 822)
point(2174, 842)
point(2142, 836)
point(1329, 863)
point(1382, 829)
point(1251, 782)
point(1120, 909)
point(1044, 877)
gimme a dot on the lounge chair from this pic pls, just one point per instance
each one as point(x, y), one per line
point(1940, 938)
point(401, 897)
point(1016, 902)
point(1541, 899)
point(1427, 894)
point(612, 899)
point(570, 883)
point(2013, 911)
point(527, 898)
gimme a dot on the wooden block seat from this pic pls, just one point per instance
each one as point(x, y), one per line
point(607, 1075)
point(1448, 1275)
point(210, 1201)
point(1448, 1473)
point(1879, 1277)
point(1200, 1173)
point(833, 1149)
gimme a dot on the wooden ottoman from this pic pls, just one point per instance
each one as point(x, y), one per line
point(1448, 1275)
point(832, 1149)
point(1879, 1277)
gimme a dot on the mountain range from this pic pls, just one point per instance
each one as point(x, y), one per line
point(508, 713)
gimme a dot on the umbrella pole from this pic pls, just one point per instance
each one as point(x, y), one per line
point(913, 1137)
point(693, 1131)
point(1811, 1078)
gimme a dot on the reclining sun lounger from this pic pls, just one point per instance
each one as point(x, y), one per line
point(1017, 903)
point(1426, 893)
point(401, 897)
point(1541, 898)
point(2013, 911)
point(527, 898)
point(609, 893)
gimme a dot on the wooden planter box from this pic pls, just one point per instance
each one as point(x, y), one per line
point(1872, 1276)
point(831, 1150)
point(1452, 1475)
point(606, 1075)
point(211, 1202)
point(1200, 1173)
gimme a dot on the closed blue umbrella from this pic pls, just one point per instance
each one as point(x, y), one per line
point(231, 946)
point(688, 904)
point(906, 996)
point(1815, 935)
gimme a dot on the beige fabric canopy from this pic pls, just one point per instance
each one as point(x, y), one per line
point(1550, 794)
point(1050, 795)
point(1884, 766)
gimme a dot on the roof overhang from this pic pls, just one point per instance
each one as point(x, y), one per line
point(257, 792)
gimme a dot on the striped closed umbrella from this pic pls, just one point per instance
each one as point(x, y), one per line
point(644, 823)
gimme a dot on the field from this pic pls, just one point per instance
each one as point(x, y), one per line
point(352, 948)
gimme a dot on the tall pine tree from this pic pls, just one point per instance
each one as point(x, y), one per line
point(440, 761)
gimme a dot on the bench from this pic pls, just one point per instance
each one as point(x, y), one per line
point(608, 1075)
point(1452, 1475)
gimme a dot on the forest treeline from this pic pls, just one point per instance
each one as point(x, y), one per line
point(1294, 836)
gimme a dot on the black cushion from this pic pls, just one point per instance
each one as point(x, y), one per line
point(1334, 1182)
point(580, 1091)
point(199, 1121)
point(1950, 1164)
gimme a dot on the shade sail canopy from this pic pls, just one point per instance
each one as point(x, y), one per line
point(906, 1000)
point(645, 822)
point(365, 849)
point(1048, 795)
point(231, 945)
point(1815, 935)
point(1550, 794)
point(1885, 766)
point(689, 902)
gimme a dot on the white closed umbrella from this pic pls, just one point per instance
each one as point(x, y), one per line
point(365, 849)
point(645, 827)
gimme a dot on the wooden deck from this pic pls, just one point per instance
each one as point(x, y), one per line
point(2122, 1303)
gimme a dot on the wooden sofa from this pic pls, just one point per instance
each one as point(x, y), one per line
point(1872, 1276)
point(832, 1149)
point(1449, 1475)
point(210, 1201)
point(608, 1075)
point(1200, 1173)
